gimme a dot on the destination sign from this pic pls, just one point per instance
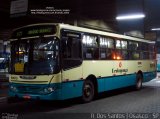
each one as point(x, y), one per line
point(71, 34)
point(37, 30)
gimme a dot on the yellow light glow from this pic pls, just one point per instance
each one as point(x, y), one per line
point(118, 57)
point(20, 52)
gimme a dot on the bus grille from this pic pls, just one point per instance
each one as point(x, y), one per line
point(29, 89)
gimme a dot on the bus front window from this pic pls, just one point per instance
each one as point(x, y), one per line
point(37, 56)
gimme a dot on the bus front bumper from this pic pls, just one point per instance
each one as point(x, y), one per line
point(51, 96)
point(35, 92)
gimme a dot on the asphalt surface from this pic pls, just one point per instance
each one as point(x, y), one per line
point(124, 103)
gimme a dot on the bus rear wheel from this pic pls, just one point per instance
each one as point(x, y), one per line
point(139, 80)
point(88, 91)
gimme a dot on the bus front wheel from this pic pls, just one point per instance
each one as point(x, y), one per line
point(88, 91)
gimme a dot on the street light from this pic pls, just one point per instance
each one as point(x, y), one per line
point(155, 29)
point(130, 17)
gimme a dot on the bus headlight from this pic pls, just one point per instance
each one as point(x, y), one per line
point(13, 88)
point(47, 90)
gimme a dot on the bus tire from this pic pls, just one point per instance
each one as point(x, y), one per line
point(139, 80)
point(88, 91)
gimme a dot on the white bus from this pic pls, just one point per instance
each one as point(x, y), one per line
point(60, 61)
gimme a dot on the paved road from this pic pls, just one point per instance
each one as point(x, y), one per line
point(126, 100)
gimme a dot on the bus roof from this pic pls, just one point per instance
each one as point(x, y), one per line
point(89, 30)
point(104, 33)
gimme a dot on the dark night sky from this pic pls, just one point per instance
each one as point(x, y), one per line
point(152, 8)
point(96, 9)
point(108, 9)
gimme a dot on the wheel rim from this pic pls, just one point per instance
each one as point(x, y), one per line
point(87, 90)
point(139, 84)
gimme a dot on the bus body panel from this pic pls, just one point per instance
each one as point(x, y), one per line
point(108, 68)
point(114, 75)
point(73, 89)
point(118, 74)
point(147, 76)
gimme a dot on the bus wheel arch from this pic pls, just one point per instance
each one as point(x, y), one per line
point(90, 88)
point(139, 80)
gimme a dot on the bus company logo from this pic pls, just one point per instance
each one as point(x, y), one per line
point(119, 70)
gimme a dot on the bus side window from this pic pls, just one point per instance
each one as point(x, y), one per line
point(88, 53)
point(90, 47)
point(118, 51)
point(110, 54)
point(134, 53)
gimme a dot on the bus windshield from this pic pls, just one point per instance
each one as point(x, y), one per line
point(34, 56)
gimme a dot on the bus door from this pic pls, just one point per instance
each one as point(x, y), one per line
point(71, 53)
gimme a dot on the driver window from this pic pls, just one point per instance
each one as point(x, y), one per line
point(71, 49)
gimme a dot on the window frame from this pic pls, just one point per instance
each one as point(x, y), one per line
point(69, 63)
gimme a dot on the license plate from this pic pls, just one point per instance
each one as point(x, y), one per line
point(27, 97)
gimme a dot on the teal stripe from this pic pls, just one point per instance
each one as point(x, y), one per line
point(149, 76)
point(73, 89)
point(110, 83)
